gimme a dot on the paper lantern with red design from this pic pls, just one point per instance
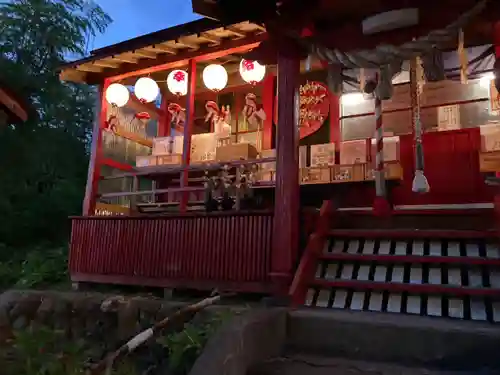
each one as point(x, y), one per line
point(177, 82)
point(215, 77)
point(146, 90)
point(117, 95)
point(251, 71)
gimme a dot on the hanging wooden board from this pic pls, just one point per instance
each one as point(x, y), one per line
point(314, 107)
point(449, 117)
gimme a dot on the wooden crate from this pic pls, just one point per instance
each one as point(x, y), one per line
point(266, 175)
point(174, 159)
point(145, 161)
point(236, 151)
point(348, 173)
point(393, 171)
point(489, 161)
point(319, 175)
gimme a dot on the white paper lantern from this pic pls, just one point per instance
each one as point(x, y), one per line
point(352, 99)
point(177, 82)
point(117, 95)
point(146, 90)
point(215, 77)
point(251, 71)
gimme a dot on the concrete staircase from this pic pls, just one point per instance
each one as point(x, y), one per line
point(321, 342)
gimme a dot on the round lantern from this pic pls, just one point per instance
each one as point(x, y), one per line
point(485, 80)
point(117, 95)
point(177, 82)
point(146, 90)
point(251, 71)
point(352, 99)
point(215, 77)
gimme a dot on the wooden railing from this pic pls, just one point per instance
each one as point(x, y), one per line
point(230, 251)
point(308, 261)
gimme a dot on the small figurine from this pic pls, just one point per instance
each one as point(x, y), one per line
point(220, 119)
point(254, 116)
point(177, 113)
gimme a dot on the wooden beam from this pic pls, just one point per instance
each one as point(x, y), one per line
point(183, 42)
point(124, 59)
point(73, 75)
point(144, 54)
point(106, 64)
point(13, 105)
point(215, 40)
point(259, 27)
point(89, 68)
point(165, 62)
point(161, 48)
point(239, 33)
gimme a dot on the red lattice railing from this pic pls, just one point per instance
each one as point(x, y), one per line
point(231, 251)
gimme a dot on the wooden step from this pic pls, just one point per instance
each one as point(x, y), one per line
point(456, 277)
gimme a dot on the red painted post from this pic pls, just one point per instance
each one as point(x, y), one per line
point(335, 126)
point(188, 130)
point(268, 106)
point(96, 152)
point(496, 43)
point(286, 206)
point(164, 120)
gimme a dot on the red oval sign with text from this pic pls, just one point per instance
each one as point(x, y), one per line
point(314, 108)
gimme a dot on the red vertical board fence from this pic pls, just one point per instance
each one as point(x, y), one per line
point(224, 250)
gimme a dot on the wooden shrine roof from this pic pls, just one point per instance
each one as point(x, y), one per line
point(337, 24)
point(12, 104)
point(168, 48)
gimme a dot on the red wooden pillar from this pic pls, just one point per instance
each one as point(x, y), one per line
point(96, 152)
point(268, 106)
point(335, 126)
point(286, 206)
point(164, 120)
point(188, 130)
point(496, 68)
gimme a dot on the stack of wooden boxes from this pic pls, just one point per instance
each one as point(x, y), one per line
point(489, 157)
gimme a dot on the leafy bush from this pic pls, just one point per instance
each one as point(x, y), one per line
point(43, 351)
point(44, 267)
point(34, 268)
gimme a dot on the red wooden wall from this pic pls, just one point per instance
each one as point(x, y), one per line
point(229, 251)
point(451, 167)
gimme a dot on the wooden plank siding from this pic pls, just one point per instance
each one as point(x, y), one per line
point(223, 250)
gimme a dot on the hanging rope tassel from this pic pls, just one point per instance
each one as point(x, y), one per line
point(381, 206)
point(420, 183)
point(308, 65)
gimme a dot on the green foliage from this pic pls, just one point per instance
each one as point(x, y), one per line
point(37, 268)
point(185, 346)
point(44, 161)
point(43, 267)
point(43, 351)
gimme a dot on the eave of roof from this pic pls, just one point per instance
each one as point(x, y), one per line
point(174, 43)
